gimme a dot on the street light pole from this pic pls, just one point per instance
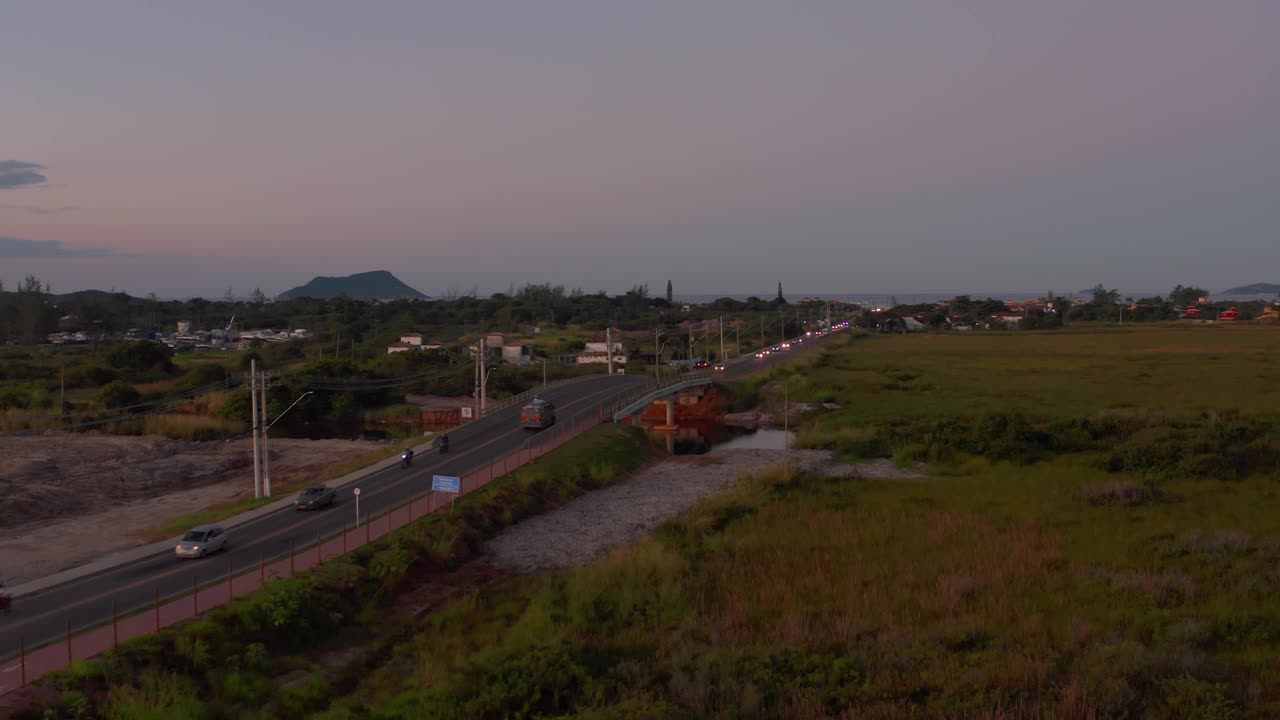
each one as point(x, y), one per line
point(484, 387)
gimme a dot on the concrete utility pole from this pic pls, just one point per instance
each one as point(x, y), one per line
point(253, 402)
point(782, 326)
point(479, 363)
point(484, 380)
point(657, 355)
point(786, 431)
point(721, 338)
point(608, 347)
point(762, 331)
point(266, 454)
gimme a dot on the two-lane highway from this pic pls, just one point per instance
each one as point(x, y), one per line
point(88, 601)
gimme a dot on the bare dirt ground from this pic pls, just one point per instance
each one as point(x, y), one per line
point(588, 527)
point(70, 499)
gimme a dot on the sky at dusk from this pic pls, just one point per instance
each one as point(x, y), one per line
point(727, 145)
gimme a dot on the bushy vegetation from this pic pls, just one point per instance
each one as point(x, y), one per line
point(230, 663)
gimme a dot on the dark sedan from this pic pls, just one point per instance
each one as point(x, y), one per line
point(315, 497)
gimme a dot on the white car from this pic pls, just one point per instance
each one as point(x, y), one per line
point(202, 540)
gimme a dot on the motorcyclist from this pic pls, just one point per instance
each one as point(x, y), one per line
point(444, 443)
point(407, 456)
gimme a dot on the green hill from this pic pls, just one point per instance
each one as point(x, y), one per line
point(1254, 289)
point(375, 285)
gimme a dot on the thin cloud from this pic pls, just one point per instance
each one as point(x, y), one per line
point(37, 210)
point(12, 247)
point(16, 174)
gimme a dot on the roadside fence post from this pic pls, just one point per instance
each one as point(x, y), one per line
point(195, 595)
point(366, 527)
point(262, 569)
point(231, 593)
point(290, 558)
point(157, 607)
point(319, 547)
point(344, 537)
point(22, 656)
point(69, 660)
point(115, 624)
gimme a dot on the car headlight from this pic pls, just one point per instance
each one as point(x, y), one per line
point(195, 547)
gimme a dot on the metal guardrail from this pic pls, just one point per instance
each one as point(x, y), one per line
point(635, 403)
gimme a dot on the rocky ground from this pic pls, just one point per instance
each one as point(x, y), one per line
point(71, 498)
point(589, 526)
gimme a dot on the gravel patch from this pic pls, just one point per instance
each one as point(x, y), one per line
point(589, 526)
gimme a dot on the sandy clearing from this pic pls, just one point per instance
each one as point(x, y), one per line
point(75, 498)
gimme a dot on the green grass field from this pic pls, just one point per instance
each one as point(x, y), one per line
point(1047, 586)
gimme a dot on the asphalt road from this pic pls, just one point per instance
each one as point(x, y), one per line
point(87, 601)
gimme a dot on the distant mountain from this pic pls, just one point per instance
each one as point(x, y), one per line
point(1254, 289)
point(376, 285)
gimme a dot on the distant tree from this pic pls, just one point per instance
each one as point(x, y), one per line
point(36, 316)
point(258, 298)
point(780, 299)
point(1187, 295)
point(669, 297)
point(228, 296)
point(1102, 297)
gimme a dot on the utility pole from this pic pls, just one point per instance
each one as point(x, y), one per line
point(608, 347)
point(657, 355)
point(737, 337)
point(479, 361)
point(782, 326)
point(483, 377)
point(266, 454)
point(762, 331)
point(722, 339)
point(253, 402)
point(544, 374)
point(62, 389)
point(786, 432)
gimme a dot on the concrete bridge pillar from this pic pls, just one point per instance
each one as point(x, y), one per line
point(670, 424)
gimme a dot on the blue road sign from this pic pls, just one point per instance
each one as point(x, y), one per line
point(444, 483)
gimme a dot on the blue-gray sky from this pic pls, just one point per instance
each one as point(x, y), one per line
point(726, 145)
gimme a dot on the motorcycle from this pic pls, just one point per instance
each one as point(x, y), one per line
point(444, 444)
point(406, 459)
point(5, 602)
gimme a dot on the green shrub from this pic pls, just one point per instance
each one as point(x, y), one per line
point(117, 394)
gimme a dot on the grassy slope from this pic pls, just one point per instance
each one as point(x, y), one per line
point(1001, 591)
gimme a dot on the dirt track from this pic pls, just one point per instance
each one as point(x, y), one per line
point(72, 498)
